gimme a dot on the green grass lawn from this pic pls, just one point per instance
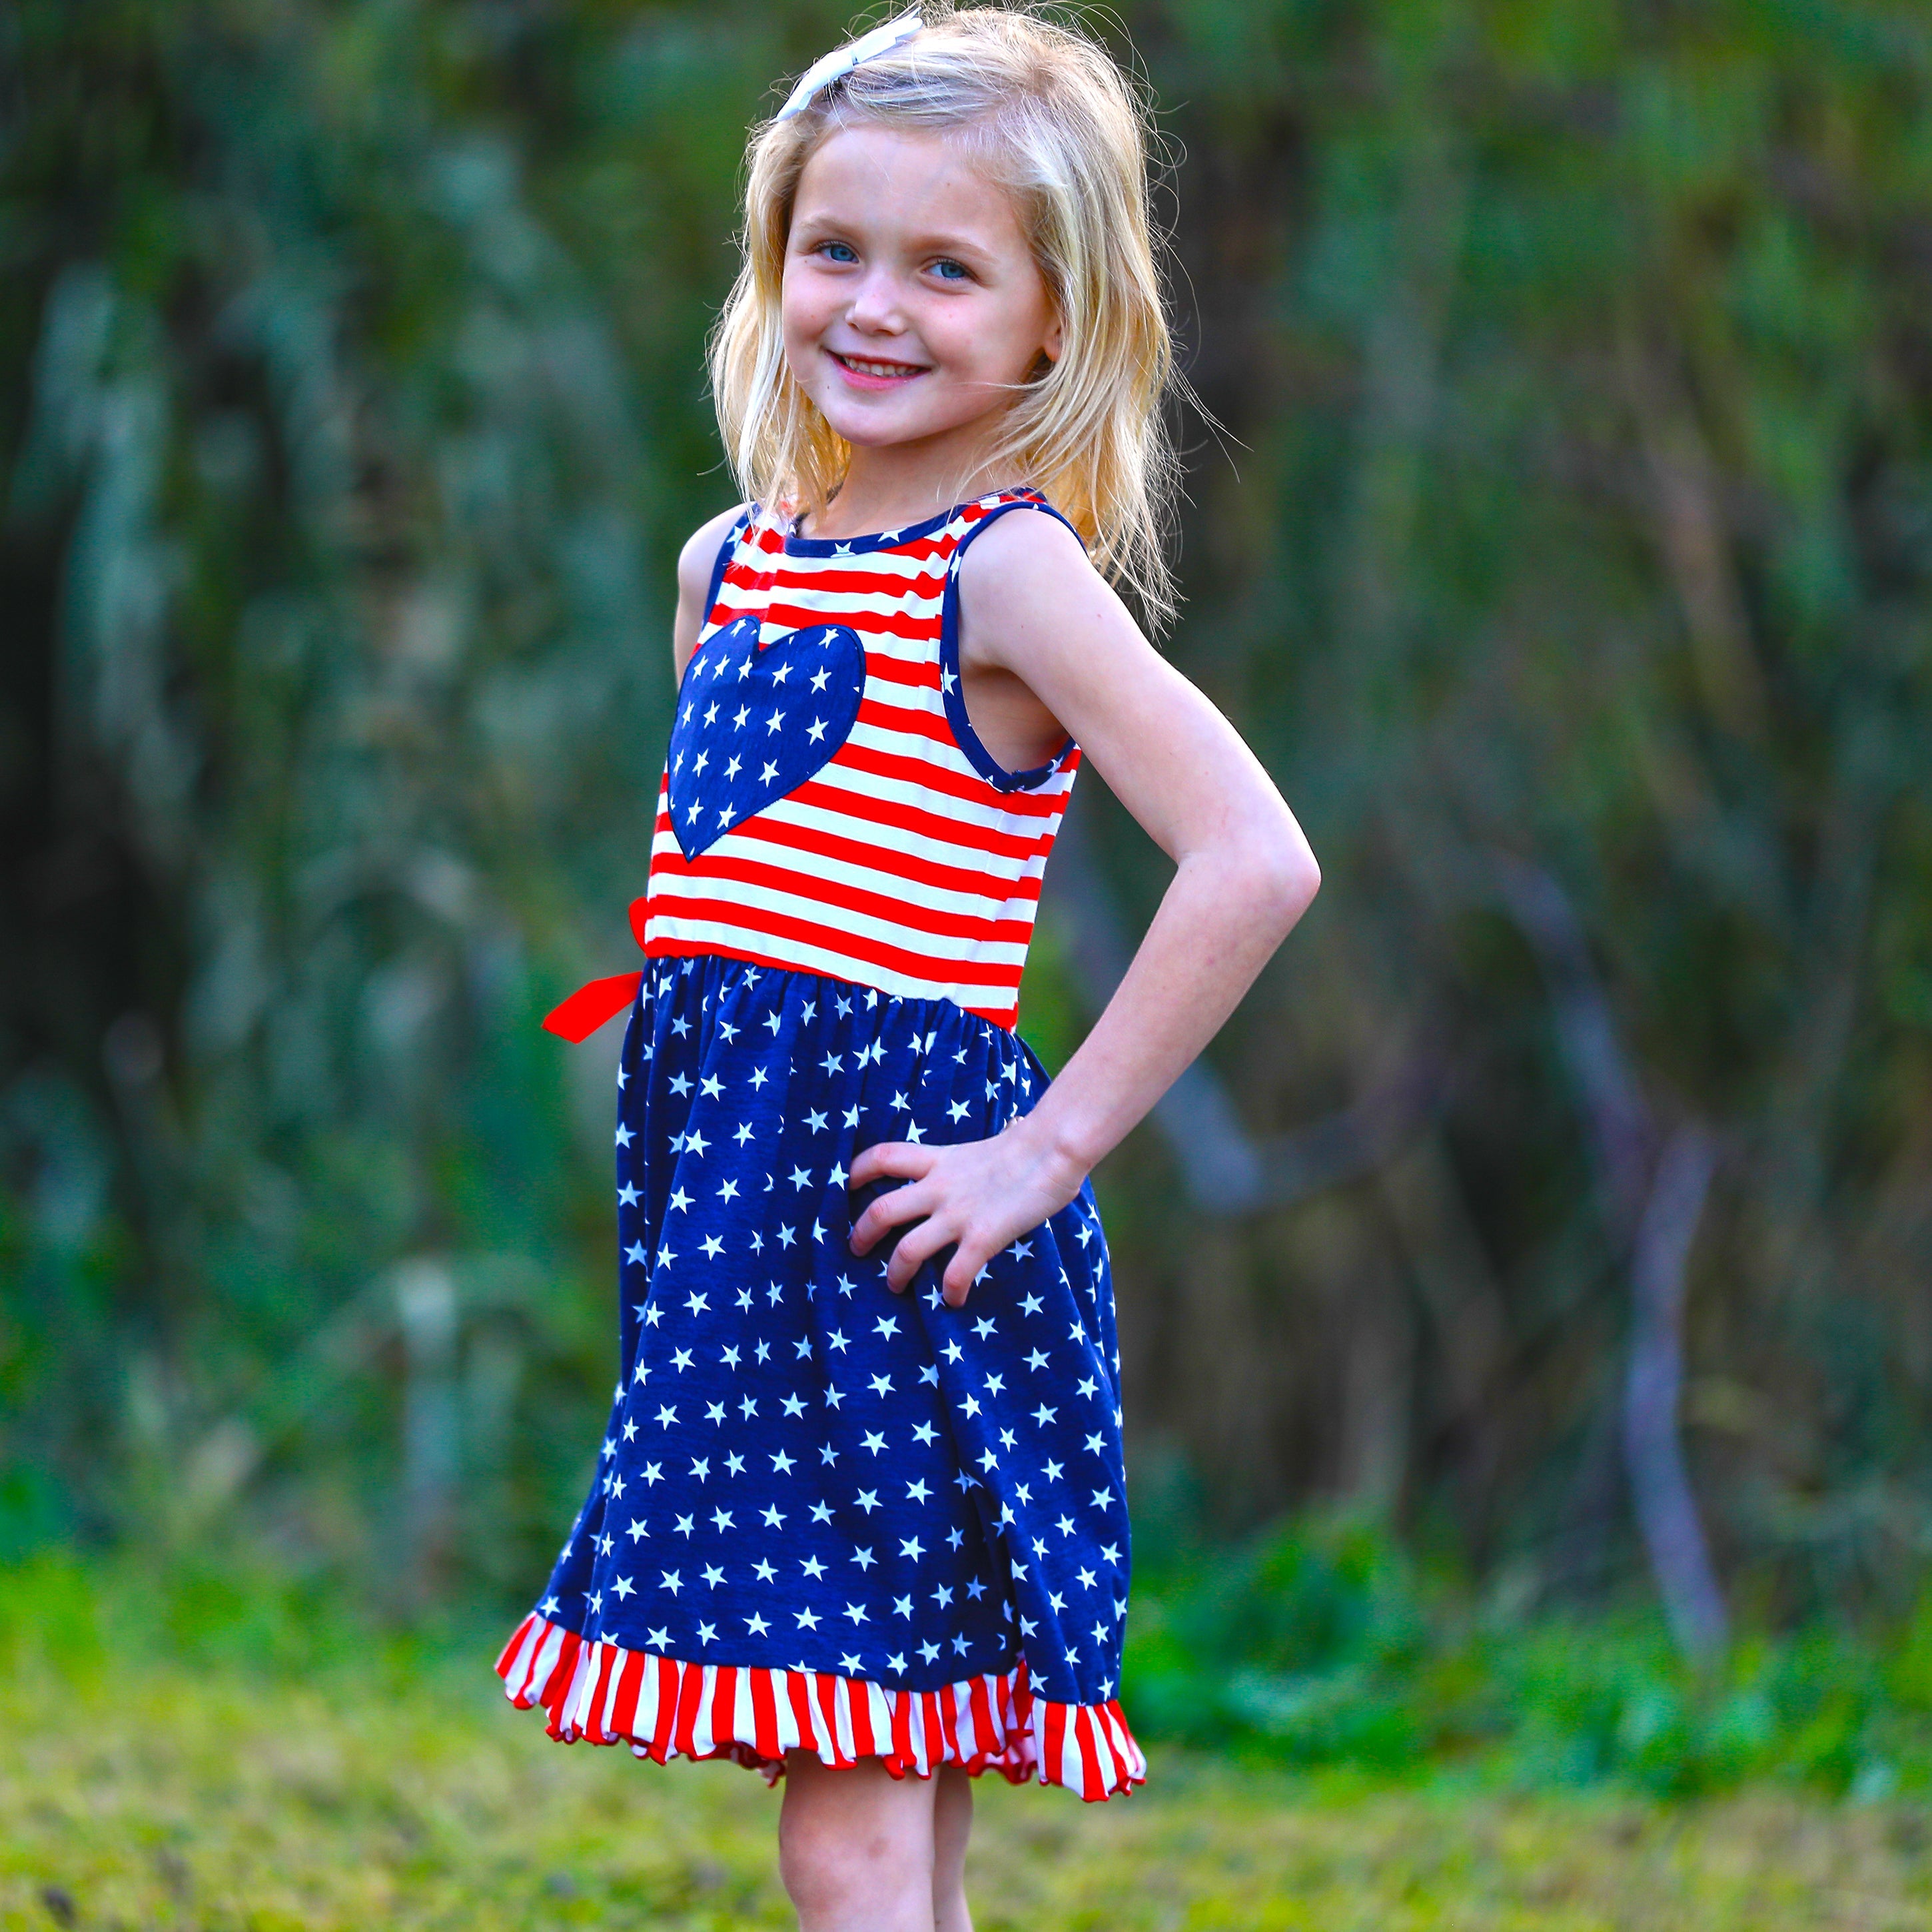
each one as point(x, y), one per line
point(163, 1795)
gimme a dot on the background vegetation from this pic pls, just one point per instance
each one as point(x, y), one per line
point(1567, 557)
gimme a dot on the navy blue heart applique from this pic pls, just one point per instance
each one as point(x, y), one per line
point(754, 724)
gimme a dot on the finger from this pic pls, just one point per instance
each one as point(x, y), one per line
point(901, 1160)
point(891, 1210)
point(961, 1271)
point(916, 1248)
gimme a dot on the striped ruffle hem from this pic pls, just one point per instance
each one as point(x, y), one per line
point(664, 1708)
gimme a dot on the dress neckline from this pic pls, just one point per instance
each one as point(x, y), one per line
point(797, 544)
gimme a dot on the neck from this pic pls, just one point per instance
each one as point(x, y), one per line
point(888, 488)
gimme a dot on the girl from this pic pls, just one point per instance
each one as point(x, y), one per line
point(859, 1510)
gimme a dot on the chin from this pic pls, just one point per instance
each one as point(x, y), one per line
point(872, 436)
point(864, 430)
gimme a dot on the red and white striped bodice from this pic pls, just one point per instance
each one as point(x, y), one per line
point(910, 860)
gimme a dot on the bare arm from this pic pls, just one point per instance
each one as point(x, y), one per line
point(695, 562)
point(1243, 875)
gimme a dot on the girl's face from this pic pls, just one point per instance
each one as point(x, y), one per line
point(913, 308)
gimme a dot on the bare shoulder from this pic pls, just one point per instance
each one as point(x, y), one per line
point(1025, 583)
point(1022, 555)
point(695, 563)
point(1027, 590)
point(699, 556)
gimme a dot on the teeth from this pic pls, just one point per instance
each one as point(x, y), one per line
point(878, 368)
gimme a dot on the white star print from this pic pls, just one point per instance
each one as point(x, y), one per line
point(798, 1301)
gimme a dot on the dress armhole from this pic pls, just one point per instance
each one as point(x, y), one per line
point(952, 686)
point(728, 549)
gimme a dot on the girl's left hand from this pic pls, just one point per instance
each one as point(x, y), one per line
point(975, 1196)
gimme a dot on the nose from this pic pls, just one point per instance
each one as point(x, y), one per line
point(875, 306)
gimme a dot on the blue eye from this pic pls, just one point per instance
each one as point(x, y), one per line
point(838, 251)
point(950, 271)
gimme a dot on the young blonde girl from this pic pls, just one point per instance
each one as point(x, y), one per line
point(859, 1515)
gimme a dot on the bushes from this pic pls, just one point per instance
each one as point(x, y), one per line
point(1320, 1643)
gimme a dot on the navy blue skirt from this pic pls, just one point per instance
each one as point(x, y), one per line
point(826, 1515)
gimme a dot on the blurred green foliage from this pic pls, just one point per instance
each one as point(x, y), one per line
point(1576, 364)
point(1323, 1644)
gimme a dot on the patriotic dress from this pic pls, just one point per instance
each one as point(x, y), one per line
point(827, 1517)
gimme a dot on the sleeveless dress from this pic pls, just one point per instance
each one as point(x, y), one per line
point(826, 1517)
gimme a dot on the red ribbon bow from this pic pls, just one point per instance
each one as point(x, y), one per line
point(586, 1009)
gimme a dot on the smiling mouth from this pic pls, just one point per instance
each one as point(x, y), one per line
point(860, 365)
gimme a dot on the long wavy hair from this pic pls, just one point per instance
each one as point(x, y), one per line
point(1060, 127)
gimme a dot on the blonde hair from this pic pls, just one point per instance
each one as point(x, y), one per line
point(1061, 128)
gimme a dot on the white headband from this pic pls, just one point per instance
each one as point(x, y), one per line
point(842, 60)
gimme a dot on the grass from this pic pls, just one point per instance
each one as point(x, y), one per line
point(331, 1780)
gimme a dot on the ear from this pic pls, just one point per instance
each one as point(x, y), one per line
point(1055, 340)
